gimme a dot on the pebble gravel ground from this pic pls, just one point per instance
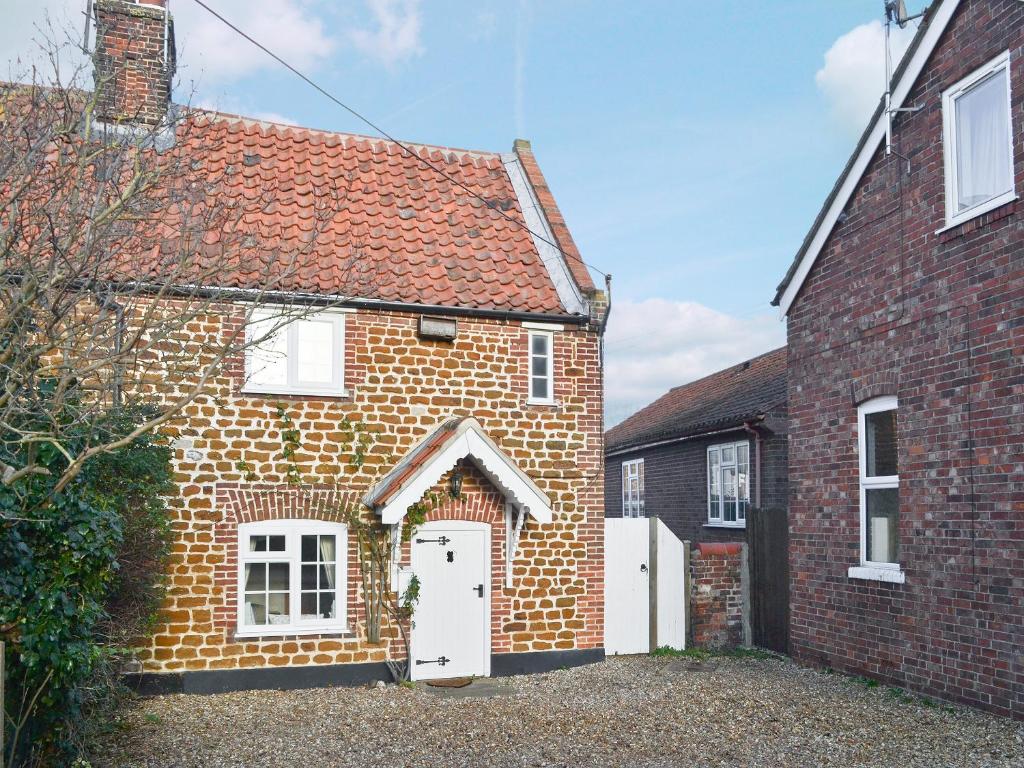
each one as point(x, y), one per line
point(629, 711)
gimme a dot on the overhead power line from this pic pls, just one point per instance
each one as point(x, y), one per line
point(384, 134)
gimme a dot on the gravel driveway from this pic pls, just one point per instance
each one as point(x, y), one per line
point(632, 711)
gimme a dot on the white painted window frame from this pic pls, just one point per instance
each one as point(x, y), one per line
point(293, 530)
point(949, 98)
point(631, 507)
point(869, 569)
point(294, 385)
point(720, 521)
point(550, 337)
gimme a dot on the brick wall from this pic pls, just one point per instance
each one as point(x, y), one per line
point(893, 306)
point(676, 483)
point(133, 82)
point(400, 387)
point(716, 595)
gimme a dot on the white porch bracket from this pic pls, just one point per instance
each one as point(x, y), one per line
point(514, 521)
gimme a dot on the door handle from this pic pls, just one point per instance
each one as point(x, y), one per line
point(643, 567)
point(479, 589)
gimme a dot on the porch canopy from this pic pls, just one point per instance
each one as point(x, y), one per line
point(455, 439)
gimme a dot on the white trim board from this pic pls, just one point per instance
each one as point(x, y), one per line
point(468, 440)
point(876, 134)
point(552, 258)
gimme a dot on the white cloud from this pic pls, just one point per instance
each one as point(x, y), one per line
point(209, 52)
point(395, 33)
point(656, 344)
point(852, 78)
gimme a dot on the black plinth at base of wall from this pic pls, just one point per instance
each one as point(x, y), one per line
point(329, 675)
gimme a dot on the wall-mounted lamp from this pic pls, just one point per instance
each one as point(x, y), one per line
point(455, 482)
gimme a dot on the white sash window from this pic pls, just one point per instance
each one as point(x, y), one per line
point(305, 356)
point(978, 142)
point(879, 491)
point(291, 577)
point(728, 483)
point(633, 488)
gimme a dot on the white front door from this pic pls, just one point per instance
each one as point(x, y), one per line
point(451, 622)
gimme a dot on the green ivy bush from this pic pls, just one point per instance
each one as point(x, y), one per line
point(80, 576)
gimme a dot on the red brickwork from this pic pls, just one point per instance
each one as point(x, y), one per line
point(894, 307)
point(716, 596)
point(133, 81)
point(399, 388)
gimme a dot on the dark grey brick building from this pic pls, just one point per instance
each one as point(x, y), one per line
point(704, 453)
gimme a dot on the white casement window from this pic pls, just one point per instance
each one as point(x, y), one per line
point(633, 488)
point(978, 142)
point(728, 483)
point(542, 367)
point(879, 490)
point(304, 356)
point(291, 577)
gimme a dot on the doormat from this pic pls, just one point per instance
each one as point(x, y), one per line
point(453, 682)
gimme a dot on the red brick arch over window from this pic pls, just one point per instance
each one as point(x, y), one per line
point(255, 503)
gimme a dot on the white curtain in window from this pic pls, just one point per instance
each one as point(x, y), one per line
point(327, 555)
point(983, 156)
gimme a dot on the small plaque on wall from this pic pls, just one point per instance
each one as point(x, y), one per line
point(441, 328)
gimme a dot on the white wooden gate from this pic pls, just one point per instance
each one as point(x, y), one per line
point(451, 623)
point(646, 586)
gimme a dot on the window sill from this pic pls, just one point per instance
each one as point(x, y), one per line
point(279, 632)
point(548, 403)
point(872, 573)
point(727, 526)
point(981, 210)
point(344, 393)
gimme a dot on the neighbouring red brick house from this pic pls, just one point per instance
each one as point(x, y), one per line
point(475, 350)
point(905, 309)
point(704, 453)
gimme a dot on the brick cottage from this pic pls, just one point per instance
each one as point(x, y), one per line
point(474, 352)
point(905, 309)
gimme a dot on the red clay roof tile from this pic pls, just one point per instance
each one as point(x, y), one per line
point(418, 238)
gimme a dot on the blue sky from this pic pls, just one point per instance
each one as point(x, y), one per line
point(689, 143)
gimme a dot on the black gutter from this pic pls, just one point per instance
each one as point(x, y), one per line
point(732, 425)
point(317, 300)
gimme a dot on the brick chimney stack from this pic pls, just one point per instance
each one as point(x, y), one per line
point(134, 60)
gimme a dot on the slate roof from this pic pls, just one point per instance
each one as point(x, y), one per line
point(421, 238)
point(722, 400)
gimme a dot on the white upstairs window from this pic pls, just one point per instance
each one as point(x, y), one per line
point(978, 142)
point(633, 488)
point(728, 483)
point(291, 577)
point(879, 491)
point(305, 356)
point(542, 367)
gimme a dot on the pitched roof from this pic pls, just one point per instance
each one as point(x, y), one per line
point(936, 18)
point(725, 399)
point(424, 239)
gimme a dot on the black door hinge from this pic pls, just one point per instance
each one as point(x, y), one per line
point(440, 661)
point(442, 541)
